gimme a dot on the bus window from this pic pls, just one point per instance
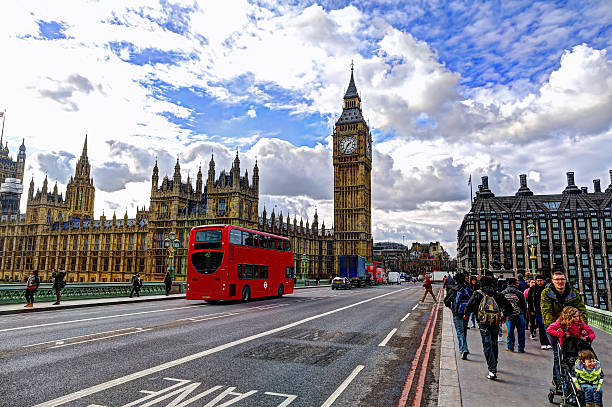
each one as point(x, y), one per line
point(206, 262)
point(272, 243)
point(235, 236)
point(263, 241)
point(289, 273)
point(247, 271)
point(260, 271)
point(208, 236)
point(287, 245)
point(247, 238)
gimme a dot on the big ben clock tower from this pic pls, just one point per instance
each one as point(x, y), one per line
point(352, 178)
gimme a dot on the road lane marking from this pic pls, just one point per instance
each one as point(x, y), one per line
point(94, 318)
point(415, 306)
point(342, 387)
point(288, 400)
point(155, 369)
point(389, 335)
point(61, 341)
point(403, 319)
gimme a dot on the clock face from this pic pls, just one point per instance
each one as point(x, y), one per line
point(348, 145)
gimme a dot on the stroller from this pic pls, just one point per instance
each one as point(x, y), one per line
point(566, 393)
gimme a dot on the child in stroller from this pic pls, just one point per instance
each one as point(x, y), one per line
point(574, 337)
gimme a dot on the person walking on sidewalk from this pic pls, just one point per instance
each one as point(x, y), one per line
point(32, 284)
point(474, 285)
point(428, 289)
point(554, 298)
point(530, 323)
point(457, 297)
point(168, 282)
point(136, 284)
point(492, 307)
point(516, 321)
point(59, 282)
point(533, 305)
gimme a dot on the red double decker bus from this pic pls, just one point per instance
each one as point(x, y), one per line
point(228, 262)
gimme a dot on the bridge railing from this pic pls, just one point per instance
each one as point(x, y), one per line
point(310, 282)
point(14, 293)
point(600, 319)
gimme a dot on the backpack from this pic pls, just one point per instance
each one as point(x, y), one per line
point(514, 301)
point(461, 299)
point(488, 310)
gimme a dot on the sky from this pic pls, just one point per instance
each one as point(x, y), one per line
point(450, 89)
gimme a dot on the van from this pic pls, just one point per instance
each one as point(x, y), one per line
point(394, 277)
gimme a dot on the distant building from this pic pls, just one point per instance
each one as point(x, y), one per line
point(11, 180)
point(419, 258)
point(574, 230)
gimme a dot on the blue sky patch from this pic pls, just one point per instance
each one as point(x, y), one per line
point(51, 30)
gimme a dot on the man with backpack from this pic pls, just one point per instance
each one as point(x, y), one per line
point(491, 307)
point(517, 320)
point(457, 297)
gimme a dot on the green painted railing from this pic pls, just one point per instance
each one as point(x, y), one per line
point(600, 319)
point(14, 293)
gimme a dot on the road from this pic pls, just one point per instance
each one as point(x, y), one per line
point(316, 347)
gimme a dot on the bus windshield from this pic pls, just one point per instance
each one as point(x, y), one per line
point(208, 236)
point(206, 262)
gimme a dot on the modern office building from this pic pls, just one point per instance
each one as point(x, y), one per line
point(573, 231)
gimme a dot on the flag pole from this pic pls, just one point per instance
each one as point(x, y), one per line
point(3, 119)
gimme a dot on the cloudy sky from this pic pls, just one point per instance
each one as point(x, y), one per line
point(450, 89)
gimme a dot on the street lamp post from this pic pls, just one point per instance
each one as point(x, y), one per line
point(171, 244)
point(304, 265)
point(483, 259)
point(532, 240)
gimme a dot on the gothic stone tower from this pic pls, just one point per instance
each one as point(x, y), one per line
point(352, 159)
point(80, 190)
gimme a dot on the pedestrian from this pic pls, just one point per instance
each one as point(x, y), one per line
point(168, 282)
point(570, 324)
point(457, 297)
point(448, 281)
point(318, 280)
point(501, 283)
point(522, 284)
point(554, 298)
point(136, 284)
point(530, 322)
point(492, 308)
point(59, 282)
point(474, 285)
point(515, 321)
point(533, 306)
point(589, 378)
point(428, 289)
point(32, 284)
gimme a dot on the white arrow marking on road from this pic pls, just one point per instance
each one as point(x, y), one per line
point(137, 375)
point(389, 335)
point(342, 387)
point(290, 398)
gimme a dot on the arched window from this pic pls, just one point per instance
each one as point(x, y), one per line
point(49, 216)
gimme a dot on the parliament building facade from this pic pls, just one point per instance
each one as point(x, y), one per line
point(573, 229)
point(59, 230)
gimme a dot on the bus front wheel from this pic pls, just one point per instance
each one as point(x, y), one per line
point(246, 294)
point(281, 290)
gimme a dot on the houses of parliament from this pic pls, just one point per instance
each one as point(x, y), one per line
point(58, 230)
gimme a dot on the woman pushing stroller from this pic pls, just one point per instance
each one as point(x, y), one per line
point(575, 338)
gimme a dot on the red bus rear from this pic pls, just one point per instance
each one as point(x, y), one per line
point(226, 262)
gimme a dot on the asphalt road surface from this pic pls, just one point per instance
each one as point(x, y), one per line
point(316, 347)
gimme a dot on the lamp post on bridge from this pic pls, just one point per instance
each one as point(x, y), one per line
point(171, 244)
point(532, 241)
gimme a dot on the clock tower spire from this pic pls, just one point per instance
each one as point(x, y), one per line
point(352, 159)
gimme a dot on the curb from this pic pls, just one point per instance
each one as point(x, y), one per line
point(96, 304)
point(449, 391)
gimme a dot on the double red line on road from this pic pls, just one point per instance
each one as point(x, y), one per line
point(428, 335)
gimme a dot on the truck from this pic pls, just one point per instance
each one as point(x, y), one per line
point(438, 275)
point(353, 267)
point(394, 277)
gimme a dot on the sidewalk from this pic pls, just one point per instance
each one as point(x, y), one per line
point(6, 309)
point(524, 379)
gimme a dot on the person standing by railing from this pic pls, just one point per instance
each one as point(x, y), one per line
point(32, 284)
point(168, 282)
point(59, 282)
